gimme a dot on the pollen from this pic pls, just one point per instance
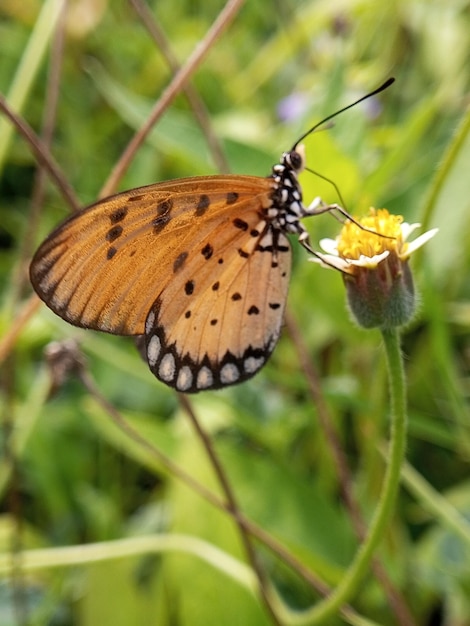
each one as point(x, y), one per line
point(355, 241)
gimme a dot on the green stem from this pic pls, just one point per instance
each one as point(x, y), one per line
point(360, 566)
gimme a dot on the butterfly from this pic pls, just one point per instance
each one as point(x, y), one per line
point(199, 266)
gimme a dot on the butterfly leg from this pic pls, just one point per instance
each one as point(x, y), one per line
point(304, 240)
point(317, 207)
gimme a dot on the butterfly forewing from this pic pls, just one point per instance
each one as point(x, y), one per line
point(104, 267)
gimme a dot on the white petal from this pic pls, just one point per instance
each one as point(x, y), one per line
point(370, 261)
point(418, 242)
point(331, 262)
point(407, 229)
point(329, 246)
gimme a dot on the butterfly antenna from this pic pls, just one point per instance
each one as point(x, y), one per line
point(385, 85)
point(330, 181)
point(344, 212)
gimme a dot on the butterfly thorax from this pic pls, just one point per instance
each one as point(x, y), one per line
point(287, 206)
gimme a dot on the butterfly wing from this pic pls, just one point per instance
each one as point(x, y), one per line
point(218, 321)
point(157, 253)
point(104, 267)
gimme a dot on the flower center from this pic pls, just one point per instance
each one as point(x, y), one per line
point(354, 242)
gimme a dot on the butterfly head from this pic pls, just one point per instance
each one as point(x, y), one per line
point(294, 160)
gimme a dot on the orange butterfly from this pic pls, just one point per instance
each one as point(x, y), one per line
point(199, 266)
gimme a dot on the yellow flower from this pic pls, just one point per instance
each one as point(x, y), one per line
point(372, 255)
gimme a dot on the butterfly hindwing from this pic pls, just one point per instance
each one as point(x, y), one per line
point(219, 319)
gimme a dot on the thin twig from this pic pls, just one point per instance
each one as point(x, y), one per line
point(42, 154)
point(8, 340)
point(232, 504)
point(49, 119)
point(339, 458)
point(179, 81)
point(196, 102)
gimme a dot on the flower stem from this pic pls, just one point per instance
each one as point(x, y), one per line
point(360, 566)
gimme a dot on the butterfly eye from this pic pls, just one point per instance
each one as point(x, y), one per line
point(295, 159)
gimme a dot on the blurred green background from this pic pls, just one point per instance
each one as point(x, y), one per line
point(69, 476)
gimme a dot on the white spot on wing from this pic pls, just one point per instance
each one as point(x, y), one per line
point(272, 342)
point(153, 350)
point(150, 322)
point(185, 379)
point(253, 364)
point(229, 373)
point(205, 378)
point(167, 368)
point(267, 240)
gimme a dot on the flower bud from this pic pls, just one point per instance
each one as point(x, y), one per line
point(373, 254)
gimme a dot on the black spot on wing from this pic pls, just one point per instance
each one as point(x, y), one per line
point(253, 310)
point(159, 223)
point(111, 252)
point(239, 223)
point(189, 287)
point(215, 286)
point(136, 198)
point(114, 233)
point(164, 206)
point(243, 253)
point(179, 261)
point(232, 197)
point(207, 251)
point(119, 214)
point(236, 296)
point(163, 215)
point(202, 205)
